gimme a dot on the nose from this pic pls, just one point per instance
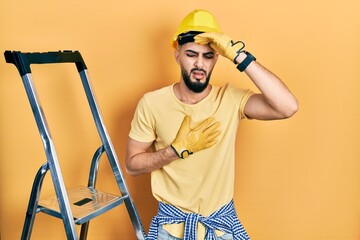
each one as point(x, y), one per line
point(199, 63)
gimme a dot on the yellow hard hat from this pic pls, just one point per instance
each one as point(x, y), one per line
point(197, 21)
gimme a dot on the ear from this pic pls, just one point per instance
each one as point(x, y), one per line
point(177, 55)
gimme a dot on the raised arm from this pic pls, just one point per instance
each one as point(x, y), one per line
point(275, 100)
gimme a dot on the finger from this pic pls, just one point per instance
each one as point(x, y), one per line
point(212, 127)
point(208, 35)
point(213, 135)
point(203, 124)
point(201, 40)
point(186, 118)
point(186, 121)
point(218, 48)
point(210, 144)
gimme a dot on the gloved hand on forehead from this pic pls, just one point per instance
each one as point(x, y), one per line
point(222, 44)
point(192, 139)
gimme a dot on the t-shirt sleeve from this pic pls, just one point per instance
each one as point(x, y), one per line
point(244, 95)
point(143, 124)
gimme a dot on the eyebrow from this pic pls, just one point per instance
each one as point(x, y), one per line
point(206, 53)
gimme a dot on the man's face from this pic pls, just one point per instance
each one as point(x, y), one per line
point(196, 62)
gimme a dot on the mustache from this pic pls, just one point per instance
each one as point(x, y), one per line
point(198, 69)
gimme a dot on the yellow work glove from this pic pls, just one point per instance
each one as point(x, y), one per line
point(221, 43)
point(189, 140)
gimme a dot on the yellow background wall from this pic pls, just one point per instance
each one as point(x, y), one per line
point(297, 179)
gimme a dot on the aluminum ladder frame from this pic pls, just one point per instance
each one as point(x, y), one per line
point(67, 206)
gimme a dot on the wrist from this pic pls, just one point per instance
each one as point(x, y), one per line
point(180, 152)
point(172, 153)
point(246, 61)
point(241, 57)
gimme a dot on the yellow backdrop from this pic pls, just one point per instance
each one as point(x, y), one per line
point(297, 179)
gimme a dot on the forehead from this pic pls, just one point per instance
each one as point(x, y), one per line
point(200, 48)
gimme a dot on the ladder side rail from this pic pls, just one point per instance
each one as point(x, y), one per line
point(135, 219)
point(22, 61)
point(52, 158)
point(33, 202)
point(111, 154)
point(104, 136)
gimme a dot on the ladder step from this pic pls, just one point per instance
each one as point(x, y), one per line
point(85, 203)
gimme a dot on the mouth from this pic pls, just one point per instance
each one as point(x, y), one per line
point(198, 74)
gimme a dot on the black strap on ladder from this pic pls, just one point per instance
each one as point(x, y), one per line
point(81, 204)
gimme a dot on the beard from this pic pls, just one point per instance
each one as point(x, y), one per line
point(195, 86)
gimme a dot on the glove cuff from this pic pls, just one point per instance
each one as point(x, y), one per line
point(184, 153)
point(243, 65)
point(239, 45)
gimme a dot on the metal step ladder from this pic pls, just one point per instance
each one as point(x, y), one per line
point(81, 204)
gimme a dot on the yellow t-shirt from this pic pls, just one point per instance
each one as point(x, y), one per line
point(203, 182)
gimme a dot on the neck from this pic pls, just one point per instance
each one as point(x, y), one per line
point(185, 95)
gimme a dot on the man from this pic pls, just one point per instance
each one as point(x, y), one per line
point(184, 134)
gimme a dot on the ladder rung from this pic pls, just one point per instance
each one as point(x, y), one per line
point(85, 203)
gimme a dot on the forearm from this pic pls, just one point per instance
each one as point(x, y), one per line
point(281, 102)
point(146, 162)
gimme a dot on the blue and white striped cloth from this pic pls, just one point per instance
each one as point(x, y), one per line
point(224, 219)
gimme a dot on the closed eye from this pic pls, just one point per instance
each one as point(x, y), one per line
point(191, 53)
point(209, 55)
